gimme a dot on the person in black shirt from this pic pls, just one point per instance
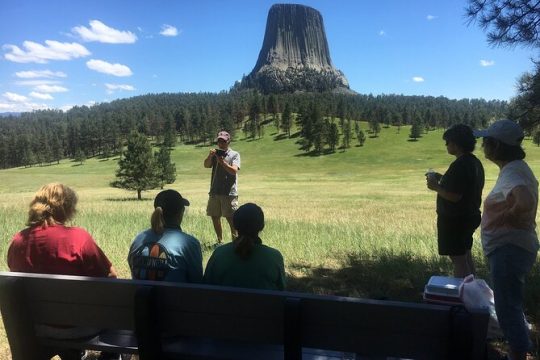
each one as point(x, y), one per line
point(459, 195)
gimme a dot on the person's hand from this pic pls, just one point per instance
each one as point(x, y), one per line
point(220, 160)
point(432, 182)
point(212, 153)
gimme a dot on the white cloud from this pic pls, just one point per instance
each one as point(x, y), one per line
point(41, 96)
point(119, 87)
point(168, 30)
point(431, 17)
point(14, 97)
point(7, 107)
point(65, 108)
point(382, 33)
point(39, 74)
point(36, 82)
point(100, 32)
point(50, 88)
point(41, 54)
point(108, 68)
point(418, 79)
point(21, 107)
point(487, 63)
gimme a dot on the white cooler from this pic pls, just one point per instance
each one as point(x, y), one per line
point(443, 290)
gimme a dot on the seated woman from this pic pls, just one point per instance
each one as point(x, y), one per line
point(49, 246)
point(246, 262)
point(165, 252)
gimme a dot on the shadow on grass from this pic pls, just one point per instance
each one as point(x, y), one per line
point(400, 278)
point(133, 199)
point(314, 153)
point(199, 145)
point(280, 137)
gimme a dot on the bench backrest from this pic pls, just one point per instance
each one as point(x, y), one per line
point(155, 311)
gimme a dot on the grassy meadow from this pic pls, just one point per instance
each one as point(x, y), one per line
point(354, 223)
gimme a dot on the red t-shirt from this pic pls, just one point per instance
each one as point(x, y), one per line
point(57, 250)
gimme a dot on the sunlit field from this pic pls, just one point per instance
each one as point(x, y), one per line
point(354, 223)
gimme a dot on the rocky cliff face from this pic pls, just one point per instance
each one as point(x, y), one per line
point(294, 55)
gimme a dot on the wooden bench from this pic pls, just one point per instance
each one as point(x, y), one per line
point(159, 320)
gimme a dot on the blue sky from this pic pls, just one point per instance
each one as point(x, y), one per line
point(61, 53)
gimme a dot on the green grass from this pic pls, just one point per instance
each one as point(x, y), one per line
point(356, 223)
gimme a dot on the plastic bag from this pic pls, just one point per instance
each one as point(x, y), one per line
point(476, 294)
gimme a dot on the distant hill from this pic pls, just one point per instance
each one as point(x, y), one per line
point(6, 114)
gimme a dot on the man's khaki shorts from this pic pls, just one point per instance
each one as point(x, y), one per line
point(221, 205)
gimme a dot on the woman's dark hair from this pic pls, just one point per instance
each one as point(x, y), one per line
point(462, 136)
point(249, 221)
point(497, 150)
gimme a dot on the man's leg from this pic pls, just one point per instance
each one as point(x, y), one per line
point(213, 209)
point(470, 262)
point(461, 266)
point(228, 206)
point(234, 233)
point(216, 220)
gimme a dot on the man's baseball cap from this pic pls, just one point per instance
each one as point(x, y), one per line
point(506, 131)
point(170, 201)
point(223, 135)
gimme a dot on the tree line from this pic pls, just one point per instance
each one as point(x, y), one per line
point(47, 136)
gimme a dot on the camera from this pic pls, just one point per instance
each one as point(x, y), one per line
point(221, 153)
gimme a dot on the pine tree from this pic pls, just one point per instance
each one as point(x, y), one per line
point(273, 108)
point(375, 127)
point(286, 120)
point(416, 131)
point(319, 129)
point(347, 134)
point(56, 149)
point(165, 169)
point(333, 136)
point(80, 156)
point(361, 137)
point(169, 134)
point(137, 168)
point(254, 116)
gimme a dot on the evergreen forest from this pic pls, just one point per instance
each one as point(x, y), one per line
point(322, 121)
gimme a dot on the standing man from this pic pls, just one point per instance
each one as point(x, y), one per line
point(223, 195)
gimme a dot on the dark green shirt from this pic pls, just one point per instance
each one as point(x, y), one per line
point(263, 269)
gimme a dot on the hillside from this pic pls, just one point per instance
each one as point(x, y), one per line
point(354, 223)
point(273, 156)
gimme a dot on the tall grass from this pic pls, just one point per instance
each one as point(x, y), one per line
point(356, 223)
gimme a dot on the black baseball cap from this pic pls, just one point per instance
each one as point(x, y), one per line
point(170, 201)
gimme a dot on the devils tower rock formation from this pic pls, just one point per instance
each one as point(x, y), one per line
point(295, 54)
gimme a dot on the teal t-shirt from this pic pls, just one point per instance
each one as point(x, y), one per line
point(264, 269)
point(173, 256)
